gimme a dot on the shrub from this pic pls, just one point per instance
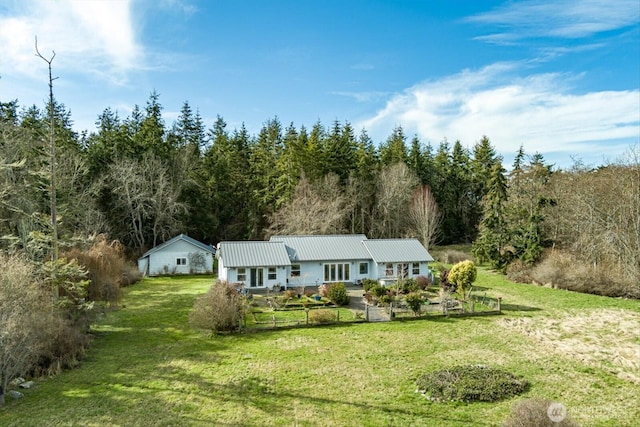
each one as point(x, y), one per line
point(474, 383)
point(291, 293)
point(108, 269)
point(463, 274)
point(367, 284)
point(321, 316)
point(565, 271)
point(452, 256)
point(219, 310)
point(519, 272)
point(424, 282)
point(379, 290)
point(409, 285)
point(337, 293)
point(414, 300)
point(533, 413)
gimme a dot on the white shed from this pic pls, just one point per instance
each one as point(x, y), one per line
point(180, 255)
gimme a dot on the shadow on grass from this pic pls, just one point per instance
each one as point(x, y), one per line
point(517, 307)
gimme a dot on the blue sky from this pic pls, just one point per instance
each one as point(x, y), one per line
point(560, 77)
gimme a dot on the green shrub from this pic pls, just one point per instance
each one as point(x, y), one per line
point(533, 413)
point(474, 383)
point(463, 274)
point(379, 290)
point(322, 316)
point(414, 300)
point(337, 293)
point(409, 285)
point(367, 284)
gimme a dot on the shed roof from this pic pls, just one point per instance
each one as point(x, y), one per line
point(397, 250)
point(182, 237)
point(253, 254)
point(324, 247)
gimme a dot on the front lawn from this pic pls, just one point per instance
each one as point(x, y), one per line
point(148, 367)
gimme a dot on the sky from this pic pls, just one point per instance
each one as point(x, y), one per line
point(558, 77)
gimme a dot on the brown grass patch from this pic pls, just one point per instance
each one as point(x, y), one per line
point(603, 338)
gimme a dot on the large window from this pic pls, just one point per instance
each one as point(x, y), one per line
point(242, 274)
point(272, 274)
point(295, 270)
point(364, 268)
point(336, 272)
point(388, 270)
point(181, 261)
point(415, 269)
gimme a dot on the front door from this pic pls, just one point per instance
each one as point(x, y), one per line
point(256, 278)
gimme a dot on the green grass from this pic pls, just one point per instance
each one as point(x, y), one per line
point(148, 367)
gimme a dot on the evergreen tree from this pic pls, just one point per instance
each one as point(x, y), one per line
point(394, 150)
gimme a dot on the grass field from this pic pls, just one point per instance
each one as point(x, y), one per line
point(147, 367)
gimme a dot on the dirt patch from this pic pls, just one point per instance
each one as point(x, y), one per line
point(608, 339)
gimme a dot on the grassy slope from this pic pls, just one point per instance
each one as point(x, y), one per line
point(147, 367)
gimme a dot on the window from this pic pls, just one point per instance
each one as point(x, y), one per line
point(364, 268)
point(388, 271)
point(181, 261)
point(415, 269)
point(295, 270)
point(242, 274)
point(336, 272)
point(272, 274)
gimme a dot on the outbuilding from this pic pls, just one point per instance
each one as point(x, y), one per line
point(180, 255)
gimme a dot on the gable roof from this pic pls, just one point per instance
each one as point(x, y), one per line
point(253, 254)
point(397, 250)
point(182, 237)
point(324, 247)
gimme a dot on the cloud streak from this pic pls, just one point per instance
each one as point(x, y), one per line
point(537, 111)
point(569, 19)
point(96, 37)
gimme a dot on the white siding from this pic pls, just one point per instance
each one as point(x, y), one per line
point(165, 260)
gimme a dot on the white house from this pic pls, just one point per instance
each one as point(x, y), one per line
point(180, 255)
point(313, 260)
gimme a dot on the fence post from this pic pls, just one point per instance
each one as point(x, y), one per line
point(273, 317)
point(366, 312)
point(306, 312)
point(499, 304)
point(338, 316)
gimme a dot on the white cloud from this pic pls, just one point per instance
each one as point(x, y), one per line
point(537, 111)
point(95, 37)
point(558, 18)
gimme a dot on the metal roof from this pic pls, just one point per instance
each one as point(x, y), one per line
point(253, 254)
point(324, 248)
point(183, 237)
point(397, 250)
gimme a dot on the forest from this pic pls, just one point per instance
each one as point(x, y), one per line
point(140, 181)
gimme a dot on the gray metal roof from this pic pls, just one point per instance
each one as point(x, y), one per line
point(324, 248)
point(183, 237)
point(253, 254)
point(397, 250)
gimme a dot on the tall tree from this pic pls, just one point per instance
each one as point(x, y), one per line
point(425, 216)
point(394, 150)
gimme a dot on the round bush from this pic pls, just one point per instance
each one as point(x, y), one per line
point(337, 293)
point(475, 383)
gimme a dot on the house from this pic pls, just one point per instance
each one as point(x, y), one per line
point(313, 260)
point(180, 255)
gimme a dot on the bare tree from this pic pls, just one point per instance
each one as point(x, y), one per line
point(425, 216)
point(396, 184)
point(314, 209)
point(146, 198)
point(52, 160)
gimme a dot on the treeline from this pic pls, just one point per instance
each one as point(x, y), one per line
point(141, 181)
